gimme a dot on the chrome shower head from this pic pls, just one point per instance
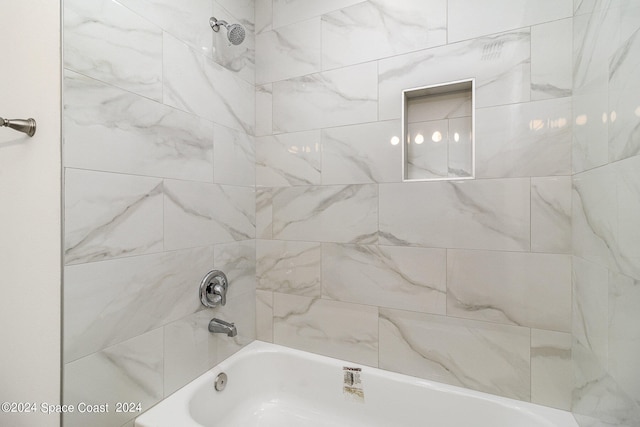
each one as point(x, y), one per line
point(235, 32)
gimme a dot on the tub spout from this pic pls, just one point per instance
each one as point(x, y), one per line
point(218, 326)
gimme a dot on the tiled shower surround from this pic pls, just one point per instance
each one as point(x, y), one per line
point(467, 283)
point(182, 153)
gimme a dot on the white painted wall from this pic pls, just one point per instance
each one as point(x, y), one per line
point(30, 223)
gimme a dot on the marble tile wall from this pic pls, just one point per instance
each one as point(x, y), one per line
point(159, 158)
point(415, 277)
point(606, 231)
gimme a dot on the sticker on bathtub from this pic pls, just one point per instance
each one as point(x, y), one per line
point(352, 384)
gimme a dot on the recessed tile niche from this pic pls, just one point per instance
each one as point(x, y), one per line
point(438, 132)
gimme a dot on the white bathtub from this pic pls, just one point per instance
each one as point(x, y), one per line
point(269, 385)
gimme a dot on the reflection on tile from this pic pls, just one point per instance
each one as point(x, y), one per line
point(551, 214)
point(111, 301)
point(469, 19)
point(198, 85)
point(370, 30)
point(289, 51)
point(131, 371)
point(529, 139)
point(461, 157)
point(234, 157)
point(483, 214)
point(288, 11)
point(551, 59)
point(332, 98)
point(197, 214)
point(332, 328)
point(500, 64)
point(264, 316)
point(288, 159)
point(111, 215)
point(264, 107)
point(112, 130)
point(551, 375)
point(385, 276)
point(482, 356)
point(238, 261)
point(428, 150)
point(289, 267)
point(347, 214)
point(189, 350)
point(106, 41)
point(524, 289)
point(362, 154)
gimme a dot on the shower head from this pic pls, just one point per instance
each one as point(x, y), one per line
point(235, 32)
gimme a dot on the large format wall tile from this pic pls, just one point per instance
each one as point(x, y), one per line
point(473, 19)
point(482, 214)
point(500, 64)
point(385, 276)
point(106, 41)
point(346, 214)
point(529, 139)
point(131, 371)
point(332, 328)
point(111, 301)
point(289, 51)
point(198, 214)
point(110, 215)
point(112, 130)
point(288, 159)
point(196, 84)
point(362, 154)
point(522, 289)
point(289, 267)
point(380, 28)
point(482, 356)
point(332, 98)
